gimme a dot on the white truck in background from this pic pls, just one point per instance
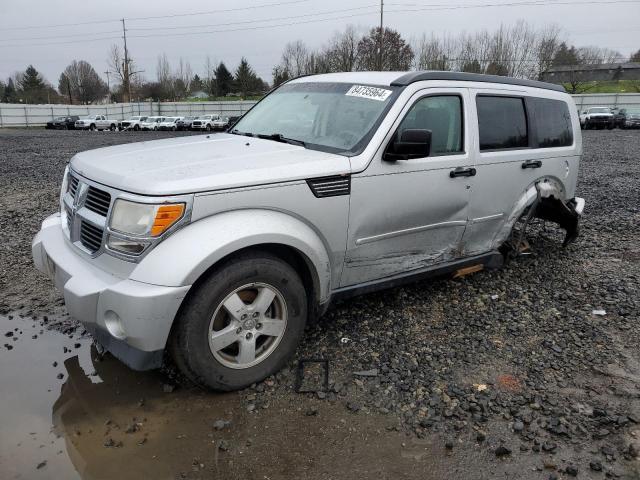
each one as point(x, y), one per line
point(132, 123)
point(96, 122)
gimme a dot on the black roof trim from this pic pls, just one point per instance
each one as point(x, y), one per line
point(412, 77)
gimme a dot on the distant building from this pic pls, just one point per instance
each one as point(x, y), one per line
point(592, 73)
point(200, 95)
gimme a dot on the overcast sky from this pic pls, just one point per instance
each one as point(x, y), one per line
point(51, 48)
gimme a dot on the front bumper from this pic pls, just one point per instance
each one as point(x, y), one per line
point(130, 319)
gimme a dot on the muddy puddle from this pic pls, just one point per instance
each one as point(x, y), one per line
point(68, 413)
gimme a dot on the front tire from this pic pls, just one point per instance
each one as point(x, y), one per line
point(241, 324)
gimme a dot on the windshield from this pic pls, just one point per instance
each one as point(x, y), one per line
point(633, 111)
point(335, 117)
point(600, 110)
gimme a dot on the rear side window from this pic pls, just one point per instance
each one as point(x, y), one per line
point(502, 122)
point(553, 122)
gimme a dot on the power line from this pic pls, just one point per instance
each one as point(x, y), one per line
point(244, 22)
point(113, 20)
point(53, 37)
point(425, 7)
point(432, 7)
point(239, 9)
point(261, 27)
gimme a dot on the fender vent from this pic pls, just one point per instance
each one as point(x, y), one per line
point(330, 186)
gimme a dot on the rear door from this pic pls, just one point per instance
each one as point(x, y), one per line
point(411, 214)
point(521, 139)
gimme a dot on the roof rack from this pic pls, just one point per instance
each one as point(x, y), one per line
point(413, 77)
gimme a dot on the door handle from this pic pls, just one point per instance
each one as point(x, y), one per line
point(532, 164)
point(462, 172)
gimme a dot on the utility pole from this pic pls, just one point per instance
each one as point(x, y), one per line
point(381, 35)
point(108, 85)
point(125, 66)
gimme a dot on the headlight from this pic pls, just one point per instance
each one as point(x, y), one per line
point(144, 219)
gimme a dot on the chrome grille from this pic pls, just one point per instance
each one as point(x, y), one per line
point(91, 236)
point(69, 217)
point(98, 201)
point(86, 206)
point(73, 185)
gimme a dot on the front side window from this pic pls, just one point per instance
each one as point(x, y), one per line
point(442, 116)
point(334, 117)
point(502, 122)
point(553, 123)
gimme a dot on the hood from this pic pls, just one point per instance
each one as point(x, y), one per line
point(203, 163)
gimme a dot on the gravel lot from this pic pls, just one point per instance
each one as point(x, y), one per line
point(512, 363)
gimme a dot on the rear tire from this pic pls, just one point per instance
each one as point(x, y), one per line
point(220, 340)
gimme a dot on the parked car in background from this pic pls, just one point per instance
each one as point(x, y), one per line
point(597, 117)
point(169, 123)
point(627, 118)
point(185, 123)
point(221, 123)
point(96, 122)
point(204, 122)
point(65, 123)
point(218, 250)
point(151, 123)
point(132, 123)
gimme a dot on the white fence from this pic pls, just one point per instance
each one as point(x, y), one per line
point(611, 100)
point(18, 115)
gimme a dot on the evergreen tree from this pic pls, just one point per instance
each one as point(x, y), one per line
point(280, 75)
point(566, 56)
point(10, 93)
point(33, 87)
point(636, 57)
point(224, 80)
point(246, 80)
point(196, 84)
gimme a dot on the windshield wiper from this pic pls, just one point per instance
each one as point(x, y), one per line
point(238, 132)
point(278, 137)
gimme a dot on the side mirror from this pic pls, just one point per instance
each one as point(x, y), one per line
point(413, 143)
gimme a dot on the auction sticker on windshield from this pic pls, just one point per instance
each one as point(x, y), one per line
point(372, 93)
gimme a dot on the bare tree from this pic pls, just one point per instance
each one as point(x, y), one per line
point(341, 51)
point(164, 76)
point(547, 46)
point(80, 81)
point(397, 54)
point(115, 62)
point(593, 55)
point(295, 58)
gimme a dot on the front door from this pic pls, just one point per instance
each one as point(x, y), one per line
point(411, 214)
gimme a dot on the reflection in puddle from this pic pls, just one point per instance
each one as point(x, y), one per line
point(86, 418)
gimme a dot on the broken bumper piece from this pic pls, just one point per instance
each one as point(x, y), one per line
point(567, 215)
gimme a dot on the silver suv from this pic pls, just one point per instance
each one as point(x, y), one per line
point(220, 248)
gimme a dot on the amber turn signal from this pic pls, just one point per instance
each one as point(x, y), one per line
point(166, 215)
